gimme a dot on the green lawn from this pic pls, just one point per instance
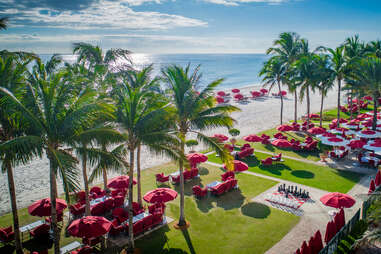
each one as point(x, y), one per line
point(321, 177)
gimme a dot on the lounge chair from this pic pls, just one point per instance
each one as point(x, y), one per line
point(226, 175)
point(161, 178)
point(137, 209)
point(267, 162)
point(175, 179)
point(147, 222)
point(40, 232)
point(7, 235)
point(116, 227)
point(199, 192)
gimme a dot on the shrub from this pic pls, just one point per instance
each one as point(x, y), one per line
point(234, 132)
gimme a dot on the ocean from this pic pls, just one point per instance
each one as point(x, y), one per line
point(238, 70)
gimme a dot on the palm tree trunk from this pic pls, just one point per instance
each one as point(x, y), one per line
point(131, 244)
point(85, 183)
point(351, 104)
point(281, 103)
point(139, 176)
point(338, 102)
point(53, 196)
point(308, 107)
point(182, 221)
point(374, 124)
point(12, 193)
point(296, 106)
point(104, 178)
point(321, 109)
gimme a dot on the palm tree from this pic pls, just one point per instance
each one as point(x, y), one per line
point(373, 48)
point(288, 47)
point(57, 112)
point(4, 23)
point(12, 78)
point(274, 74)
point(194, 112)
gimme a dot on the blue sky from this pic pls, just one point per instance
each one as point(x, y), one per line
point(183, 26)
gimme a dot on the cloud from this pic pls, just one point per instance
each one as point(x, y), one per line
point(140, 2)
point(100, 14)
point(238, 2)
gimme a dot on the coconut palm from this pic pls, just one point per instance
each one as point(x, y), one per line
point(12, 78)
point(274, 74)
point(288, 48)
point(194, 112)
point(373, 48)
point(4, 23)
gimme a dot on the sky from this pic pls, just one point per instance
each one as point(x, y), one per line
point(183, 26)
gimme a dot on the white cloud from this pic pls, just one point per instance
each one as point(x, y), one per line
point(104, 14)
point(140, 2)
point(238, 2)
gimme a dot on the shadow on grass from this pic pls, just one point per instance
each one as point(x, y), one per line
point(158, 241)
point(188, 186)
point(256, 210)
point(38, 245)
point(203, 171)
point(303, 174)
point(229, 200)
point(274, 169)
point(188, 240)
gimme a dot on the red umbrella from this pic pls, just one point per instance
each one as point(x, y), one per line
point(318, 241)
point(330, 231)
point(238, 96)
point(358, 143)
point(239, 166)
point(316, 130)
point(195, 158)
point(120, 182)
point(305, 249)
point(368, 132)
point(160, 195)
point(362, 116)
point(341, 121)
point(281, 143)
point(378, 178)
point(284, 127)
point(337, 221)
point(337, 200)
point(297, 251)
point(252, 138)
point(89, 227)
point(328, 134)
point(43, 207)
point(342, 217)
point(221, 138)
point(311, 245)
point(314, 116)
point(255, 93)
point(220, 99)
point(369, 98)
point(372, 187)
point(235, 90)
point(283, 93)
point(263, 90)
point(221, 93)
point(229, 147)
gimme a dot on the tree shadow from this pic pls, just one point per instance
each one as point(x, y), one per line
point(38, 244)
point(188, 240)
point(203, 171)
point(230, 200)
point(303, 174)
point(256, 210)
point(7, 249)
point(269, 147)
point(275, 168)
point(251, 161)
point(158, 241)
point(188, 186)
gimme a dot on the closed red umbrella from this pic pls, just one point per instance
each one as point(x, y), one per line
point(221, 93)
point(160, 195)
point(372, 187)
point(220, 99)
point(235, 90)
point(311, 245)
point(316, 130)
point(195, 158)
point(377, 181)
point(220, 137)
point(120, 182)
point(337, 221)
point(284, 127)
point(252, 138)
point(305, 249)
point(342, 217)
point(318, 241)
point(337, 200)
point(281, 143)
point(89, 227)
point(43, 207)
point(297, 251)
point(330, 231)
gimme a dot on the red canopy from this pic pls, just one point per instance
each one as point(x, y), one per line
point(120, 182)
point(358, 143)
point(341, 129)
point(341, 121)
point(311, 245)
point(334, 139)
point(283, 93)
point(235, 90)
point(377, 181)
point(305, 249)
point(317, 130)
point(252, 138)
point(328, 134)
point(284, 127)
point(195, 158)
point(337, 200)
point(89, 227)
point(43, 207)
point(376, 144)
point(220, 137)
point(318, 242)
point(229, 147)
point(221, 93)
point(369, 98)
point(281, 143)
point(372, 187)
point(238, 96)
point(255, 93)
point(160, 195)
point(330, 231)
point(362, 116)
point(220, 99)
point(368, 132)
point(314, 116)
point(264, 90)
point(239, 166)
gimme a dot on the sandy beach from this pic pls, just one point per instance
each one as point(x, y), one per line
point(32, 180)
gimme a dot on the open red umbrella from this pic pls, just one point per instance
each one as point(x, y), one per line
point(120, 182)
point(316, 130)
point(363, 116)
point(43, 207)
point(238, 96)
point(89, 227)
point(337, 200)
point(377, 181)
point(281, 143)
point(195, 158)
point(160, 195)
point(264, 90)
point(357, 143)
point(341, 121)
point(305, 249)
point(372, 187)
point(368, 98)
point(221, 138)
point(284, 127)
point(318, 241)
point(235, 90)
point(330, 231)
point(255, 93)
point(220, 99)
point(221, 93)
point(252, 138)
point(239, 166)
point(283, 93)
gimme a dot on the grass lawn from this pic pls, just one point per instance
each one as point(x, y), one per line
point(320, 177)
point(231, 223)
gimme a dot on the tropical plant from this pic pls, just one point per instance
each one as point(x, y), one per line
point(4, 23)
point(191, 143)
point(195, 111)
point(373, 48)
point(274, 73)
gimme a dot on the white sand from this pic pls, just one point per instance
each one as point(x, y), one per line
point(32, 180)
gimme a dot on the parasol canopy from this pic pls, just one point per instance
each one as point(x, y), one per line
point(221, 93)
point(316, 130)
point(43, 207)
point(120, 182)
point(337, 200)
point(221, 138)
point(281, 143)
point(239, 166)
point(89, 227)
point(284, 127)
point(252, 138)
point(235, 90)
point(160, 195)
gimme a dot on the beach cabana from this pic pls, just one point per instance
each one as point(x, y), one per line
point(337, 200)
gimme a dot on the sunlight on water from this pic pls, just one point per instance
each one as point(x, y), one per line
point(140, 60)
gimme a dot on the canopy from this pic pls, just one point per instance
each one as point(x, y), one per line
point(255, 93)
point(195, 158)
point(284, 127)
point(221, 138)
point(160, 195)
point(229, 147)
point(334, 141)
point(356, 143)
point(43, 207)
point(373, 146)
point(252, 138)
point(318, 241)
point(281, 143)
point(337, 200)
point(368, 134)
point(314, 116)
point(239, 166)
point(316, 130)
point(89, 227)
point(368, 98)
point(221, 93)
point(264, 90)
point(330, 232)
point(362, 116)
point(341, 120)
point(352, 125)
point(235, 90)
point(220, 99)
point(372, 187)
point(120, 182)
point(283, 93)
point(238, 96)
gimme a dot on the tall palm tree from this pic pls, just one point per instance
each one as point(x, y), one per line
point(12, 78)
point(288, 48)
point(274, 74)
point(373, 48)
point(194, 112)
point(4, 23)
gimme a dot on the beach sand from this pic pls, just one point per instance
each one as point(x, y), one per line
point(32, 180)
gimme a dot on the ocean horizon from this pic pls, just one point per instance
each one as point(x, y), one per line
point(238, 70)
